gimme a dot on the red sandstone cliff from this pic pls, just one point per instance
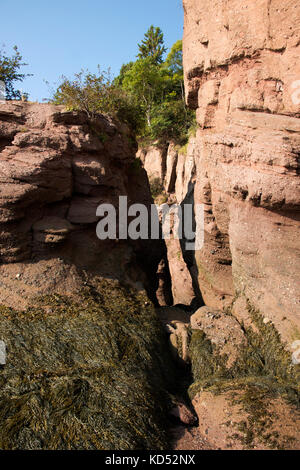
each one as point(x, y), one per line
point(241, 62)
point(242, 75)
point(56, 167)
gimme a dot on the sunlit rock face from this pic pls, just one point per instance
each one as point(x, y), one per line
point(56, 168)
point(242, 73)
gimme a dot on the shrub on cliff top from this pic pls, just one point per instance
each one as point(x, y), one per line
point(96, 93)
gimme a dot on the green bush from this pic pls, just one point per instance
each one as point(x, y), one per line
point(10, 73)
point(96, 93)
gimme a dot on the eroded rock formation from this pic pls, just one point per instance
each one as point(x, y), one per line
point(241, 63)
point(242, 67)
point(78, 335)
point(171, 170)
point(242, 70)
point(56, 168)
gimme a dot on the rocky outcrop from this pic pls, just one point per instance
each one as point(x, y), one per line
point(78, 334)
point(154, 160)
point(242, 72)
point(241, 63)
point(172, 166)
point(56, 168)
point(245, 387)
point(171, 171)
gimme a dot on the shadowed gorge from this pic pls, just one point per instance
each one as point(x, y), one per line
point(142, 342)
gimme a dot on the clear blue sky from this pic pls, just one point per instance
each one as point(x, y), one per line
point(59, 37)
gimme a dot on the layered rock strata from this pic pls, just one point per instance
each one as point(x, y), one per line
point(241, 62)
point(56, 168)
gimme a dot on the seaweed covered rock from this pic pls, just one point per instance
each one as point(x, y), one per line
point(91, 373)
point(221, 329)
point(253, 402)
point(176, 323)
point(247, 415)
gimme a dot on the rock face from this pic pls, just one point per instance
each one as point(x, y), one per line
point(242, 76)
point(242, 70)
point(172, 170)
point(78, 334)
point(172, 166)
point(56, 168)
point(154, 161)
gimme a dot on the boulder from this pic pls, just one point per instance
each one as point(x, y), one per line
point(183, 414)
point(245, 418)
point(222, 329)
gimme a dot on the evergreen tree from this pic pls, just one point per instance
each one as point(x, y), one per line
point(152, 45)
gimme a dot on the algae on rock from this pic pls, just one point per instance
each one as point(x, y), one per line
point(262, 373)
point(87, 374)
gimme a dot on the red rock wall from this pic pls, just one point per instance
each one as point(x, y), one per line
point(56, 167)
point(242, 64)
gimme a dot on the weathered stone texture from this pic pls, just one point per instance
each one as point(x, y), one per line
point(56, 168)
point(242, 65)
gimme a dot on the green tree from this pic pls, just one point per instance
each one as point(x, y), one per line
point(118, 81)
point(158, 88)
point(171, 122)
point(10, 73)
point(174, 71)
point(174, 60)
point(144, 81)
point(152, 45)
point(148, 94)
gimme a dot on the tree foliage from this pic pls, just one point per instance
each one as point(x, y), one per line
point(159, 89)
point(174, 60)
point(152, 45)
point(148, 94)
point(10, 73)
point(144, 81)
